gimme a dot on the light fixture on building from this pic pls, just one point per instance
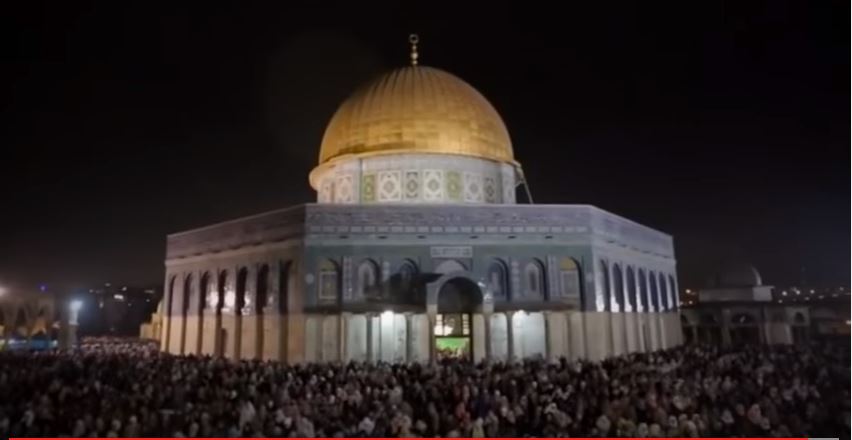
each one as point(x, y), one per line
point(118, 297)
point(75, 305)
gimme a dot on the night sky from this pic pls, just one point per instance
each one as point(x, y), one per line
point(725, 125)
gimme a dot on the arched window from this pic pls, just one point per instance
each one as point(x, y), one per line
point(655, 297)
point(207, 297)
point(673, 292)
point(799, 318)
point(262, 288)
point(224, 301)
point(534, 277)
point(187, 295)
point(618, 287)
point(403, 285)
point(329, 281)
point(368, 277)
point(643, 291)
point(407, 273)
point(603, 294)
point(569, 277)
point(633, 305)
point(242, 297)
point(664, 293)
point(498, 279)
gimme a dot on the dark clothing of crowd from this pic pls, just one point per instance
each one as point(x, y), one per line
point(124, 389)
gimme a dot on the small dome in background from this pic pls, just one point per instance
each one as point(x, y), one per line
point(737, 275)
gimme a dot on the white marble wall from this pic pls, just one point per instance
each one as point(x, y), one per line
point(419, 338)
point(356, 338)
point(313, 333)
point(499, 337)
point(570, 334)
point(557, 328)
point(479, 348)
point(577, 335)
point(208, 336)
point(529, 335)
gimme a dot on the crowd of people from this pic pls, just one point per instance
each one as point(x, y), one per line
point(126, 389)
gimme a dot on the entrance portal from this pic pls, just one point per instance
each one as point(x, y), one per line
point(458, 299)
point(452, 335)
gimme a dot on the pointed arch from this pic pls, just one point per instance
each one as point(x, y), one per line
point(403, 284)
point(618, 288)
point(261, 289)
point(242, 284)
point(570, 278)
point(222, 292)
point(655, 295)
point(498, 279)
point(674, 300)
point(367, 279)
point(643, 291)
point(534, 279)
point(329, 281)
point(602, 298)
point(633, 304)
point(664, 293)
point(206, 296)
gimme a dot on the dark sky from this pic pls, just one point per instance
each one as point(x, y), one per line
point(723, 124)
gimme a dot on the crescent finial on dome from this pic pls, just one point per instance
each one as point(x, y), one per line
point(414, 39)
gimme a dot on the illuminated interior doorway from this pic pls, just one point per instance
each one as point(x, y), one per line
point(453, 335)
point(458, 299)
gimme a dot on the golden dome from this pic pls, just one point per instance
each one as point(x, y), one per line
point(417, 109)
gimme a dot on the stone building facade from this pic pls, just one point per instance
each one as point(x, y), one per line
point(417, 244)
point(736, 308)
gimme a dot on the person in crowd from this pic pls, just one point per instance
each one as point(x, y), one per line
point(119, 388)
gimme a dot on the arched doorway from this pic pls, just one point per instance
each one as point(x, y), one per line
point(458, 299)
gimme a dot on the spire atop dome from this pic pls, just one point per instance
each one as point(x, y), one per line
point(414, 39)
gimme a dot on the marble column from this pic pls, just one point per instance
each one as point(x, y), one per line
point(510, 337)
point(342, 342)
point(433, 358)
point(487, 328)
point(370, 356)
point(548, 350)
point(408, 338)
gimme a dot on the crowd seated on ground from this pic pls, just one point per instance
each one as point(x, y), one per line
point(119, 388)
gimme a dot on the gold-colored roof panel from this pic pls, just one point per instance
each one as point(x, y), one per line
point(417, 109)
